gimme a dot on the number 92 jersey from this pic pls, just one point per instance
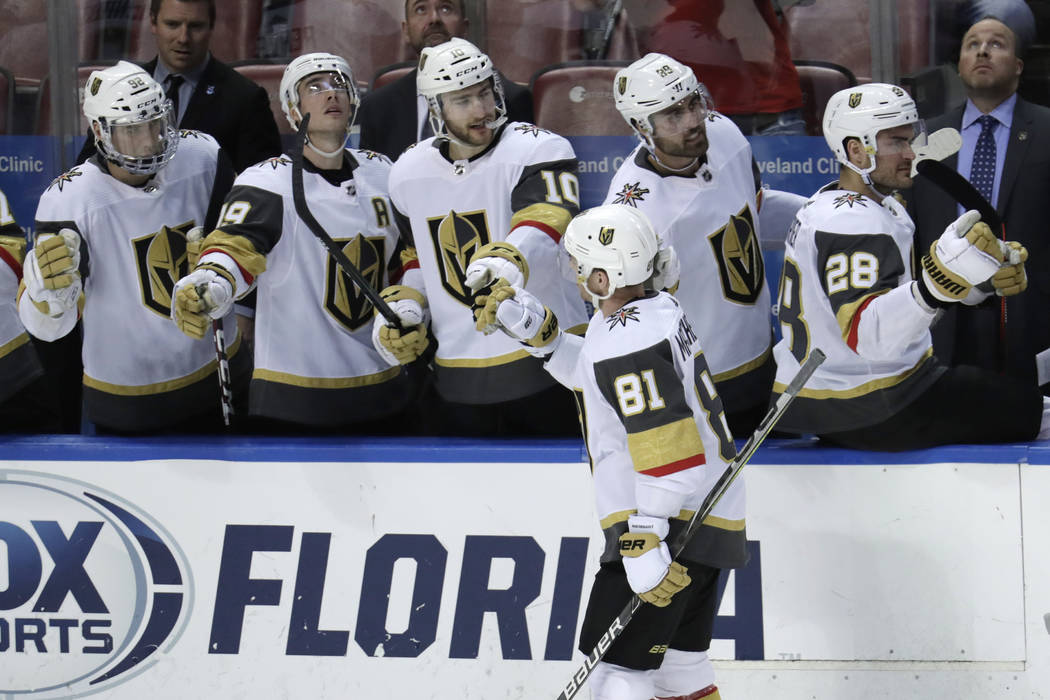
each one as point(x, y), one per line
point(843, 253)
point(655, 430)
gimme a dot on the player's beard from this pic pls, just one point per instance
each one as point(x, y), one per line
point(470, 136)
point(684, 146)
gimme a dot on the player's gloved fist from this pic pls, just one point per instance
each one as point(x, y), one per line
point(395, 347)
point(200, 296)
point(965, 255)
point(666, 270)
point(1011, 278)
point(524, 317)
point(493, 261)
point(55, 260)
point(647, 561)
point(486, 302)
point(194, 245)
point(51, 273)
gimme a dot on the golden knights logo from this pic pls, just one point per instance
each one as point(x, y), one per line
point(849, 199)
point(531, 129)
point(621, 84)
point(739, 257)
point(277, 161)
point(342, 299)
point(631, 194)
point(621, 316)
point(456, 237)
point(854, 99)
point(605, 236)
point(64, 178)
point(160, 258)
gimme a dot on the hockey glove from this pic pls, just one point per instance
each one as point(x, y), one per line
point(520, 315)
point(200, 296)
point(51, 273)
point(1011, 278)
point(493, 261)
point(398, 348)
point(965, 255)
point(647, 561)
point(666, 270)
point(194, 246)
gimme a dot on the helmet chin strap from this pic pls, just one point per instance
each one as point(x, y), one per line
point(315, 149)
point(865, 176)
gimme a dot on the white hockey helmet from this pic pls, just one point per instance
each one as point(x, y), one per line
point(454, 65)
point(119, 101)
point(861, 112)
point(306, 65)
point(616, 238)
point(651, 84)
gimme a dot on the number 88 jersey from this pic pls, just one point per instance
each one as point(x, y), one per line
point(843, 252)
point(655, 430)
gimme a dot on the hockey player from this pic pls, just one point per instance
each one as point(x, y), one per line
point(847, 288)
point(314, 361)
point(26, 404)
point(484, 199)
point(694, 177)
point(110, 244)
point(658, 442)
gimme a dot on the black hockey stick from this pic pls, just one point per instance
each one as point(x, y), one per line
point(960, 189)
point(222, 361)
point(816, 357)
point(303, 212)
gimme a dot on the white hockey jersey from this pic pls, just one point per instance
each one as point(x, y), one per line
point(846, 288)
point(525, 182)
point(655, 430)
point(19, 364)
point(711, 219)
point(314, 359)
point(140, 371)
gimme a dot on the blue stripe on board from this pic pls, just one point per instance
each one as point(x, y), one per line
point(414, 449)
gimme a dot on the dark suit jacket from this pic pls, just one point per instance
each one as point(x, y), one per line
point(970, 335)
point(230, 107)
point(388, 116)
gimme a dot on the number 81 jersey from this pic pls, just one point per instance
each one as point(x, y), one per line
point(843, 252)
point(655, 430)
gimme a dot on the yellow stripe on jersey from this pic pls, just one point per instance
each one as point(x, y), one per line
point(239, 248)
point(270, 375)
point(744, 368)
point(666, 449)
point(160, 387)
point(12, 345)
point(873, 385)
point(845, 314)
point(549, 215)
point(15, 246)
point(483, 361)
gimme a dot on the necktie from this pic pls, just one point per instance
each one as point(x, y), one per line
point(172, 92)
point(982, 173)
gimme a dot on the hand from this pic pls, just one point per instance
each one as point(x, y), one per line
point(520, 315)
point(493, 261)
point(666, 270)
point(965, 255)
point(395, 347)
point(194, 246)
point(1011, 278)
point(647, 561)
point(51, 273)
point(204, 294)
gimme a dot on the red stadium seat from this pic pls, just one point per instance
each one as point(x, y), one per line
point(833, 31)
point(43, 104)
point(388, 74)
point(576, 99)
point(269, 76)
point(23, 41)
point(233, 39)
point(819, 81)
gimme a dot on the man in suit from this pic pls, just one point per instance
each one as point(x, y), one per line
point(1005, 153)
point(394, 116)
point(206, 94)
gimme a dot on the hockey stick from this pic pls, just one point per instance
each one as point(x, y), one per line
point(222, 361)
point(816, 357)
point(303, 212)
point(939, 145)
point(961, 190)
